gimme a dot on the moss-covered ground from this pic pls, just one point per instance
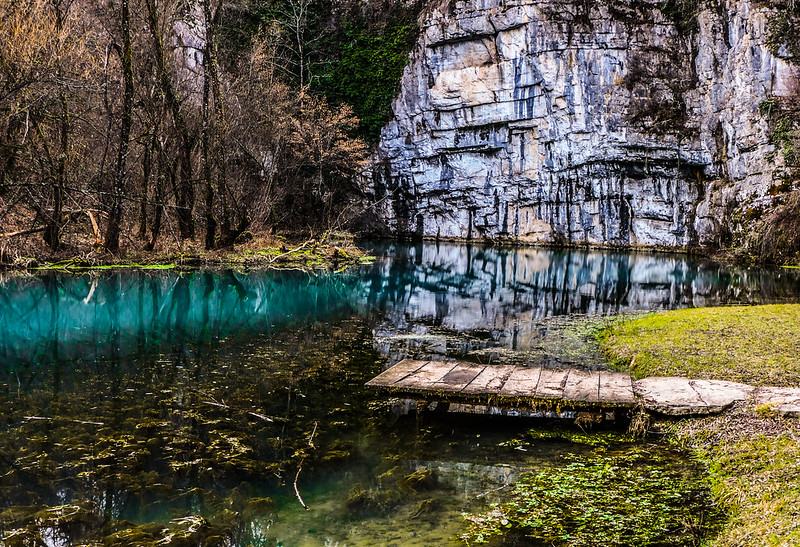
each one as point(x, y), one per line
point(754, 463)
point(294, 251)
point(752, 455)
point(756, 345)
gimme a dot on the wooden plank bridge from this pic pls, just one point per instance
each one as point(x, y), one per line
point(490, 388)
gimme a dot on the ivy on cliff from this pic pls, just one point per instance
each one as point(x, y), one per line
point(783, 30)
point(350, 52)
point(682, 13)
point(367, 71)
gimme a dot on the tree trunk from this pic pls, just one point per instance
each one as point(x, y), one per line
point(159, 199)
point(185, 180)
point(211, 222)
point(121, 174)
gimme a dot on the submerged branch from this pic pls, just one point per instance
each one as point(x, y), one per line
point(254, 414)
point(300, 468)
point(47, 419)
point(296, 490)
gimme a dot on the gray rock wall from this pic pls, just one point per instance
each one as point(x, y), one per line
point(572, 121)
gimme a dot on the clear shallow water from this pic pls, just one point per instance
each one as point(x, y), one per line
point(134, 403)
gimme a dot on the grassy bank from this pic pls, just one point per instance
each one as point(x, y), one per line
point(756, 345)
point(753, 456)
point(754, 464)
point(262, 251)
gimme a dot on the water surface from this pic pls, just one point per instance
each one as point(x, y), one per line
point(146, 407)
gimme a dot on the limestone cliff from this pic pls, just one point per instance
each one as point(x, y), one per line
point(583, 121)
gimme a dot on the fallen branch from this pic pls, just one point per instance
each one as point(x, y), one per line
point(98, 240)
point(24, 232)
point(300, 248)
point(300, 468)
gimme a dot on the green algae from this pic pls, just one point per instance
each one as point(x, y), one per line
point(628, 498)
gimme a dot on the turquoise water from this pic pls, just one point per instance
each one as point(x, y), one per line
point(184, 407)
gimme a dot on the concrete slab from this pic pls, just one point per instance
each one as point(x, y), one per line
point(423, 378)
point(551, 384)
point(582, 386)
point(671, 396)
point(490, 380)
point(785, 400)
point(396, 372)
point(719, 395)
point(522, 382)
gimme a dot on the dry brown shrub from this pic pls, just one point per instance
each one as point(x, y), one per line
point(780, 243)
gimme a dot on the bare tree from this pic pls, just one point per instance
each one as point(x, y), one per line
point(156, 15)
point(121, 174)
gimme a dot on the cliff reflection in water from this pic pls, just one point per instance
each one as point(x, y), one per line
point(509, 291)
point(460, 288)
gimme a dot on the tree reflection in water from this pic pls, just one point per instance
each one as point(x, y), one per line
point(141, 407)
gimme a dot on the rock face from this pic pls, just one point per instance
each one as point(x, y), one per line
point(599, 122)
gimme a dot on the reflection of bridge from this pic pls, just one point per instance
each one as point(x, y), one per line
point(505, 388)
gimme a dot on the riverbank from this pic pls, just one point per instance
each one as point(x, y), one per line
point(752, 454)
point(281, 251)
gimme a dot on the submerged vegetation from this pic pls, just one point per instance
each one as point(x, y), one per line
point(214, 407)
point(111, 451)
point(604, 499)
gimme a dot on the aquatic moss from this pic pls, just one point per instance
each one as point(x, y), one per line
point(601, 500)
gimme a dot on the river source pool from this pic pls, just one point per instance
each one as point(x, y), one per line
point(228, 408)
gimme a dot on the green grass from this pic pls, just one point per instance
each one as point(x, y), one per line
point(756, 345)
point(754, 465)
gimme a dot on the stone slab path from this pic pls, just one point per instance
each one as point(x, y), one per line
point(470, 382)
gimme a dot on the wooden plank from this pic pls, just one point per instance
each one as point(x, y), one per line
point(396, 372)
point(522, 382)
point(616, 388)
point(458, 378)
point(490, 380)
point(425, 377)
point(582, 386)
point(551, 383)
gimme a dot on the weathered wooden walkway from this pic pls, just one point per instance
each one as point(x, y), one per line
point(471, 383)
